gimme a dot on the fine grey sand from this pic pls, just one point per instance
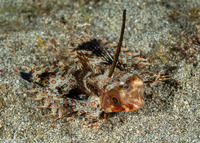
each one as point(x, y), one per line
point(165, 31)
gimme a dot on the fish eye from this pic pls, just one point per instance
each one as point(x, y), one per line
point(115, 100)
point(128, 81)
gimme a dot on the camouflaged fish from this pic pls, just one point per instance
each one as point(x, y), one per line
point(87, 88)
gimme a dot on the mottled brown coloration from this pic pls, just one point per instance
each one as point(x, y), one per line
point(89, 86)
point(127, 100)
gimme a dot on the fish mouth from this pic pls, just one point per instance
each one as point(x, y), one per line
point(135, 104)
point(127, 107)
